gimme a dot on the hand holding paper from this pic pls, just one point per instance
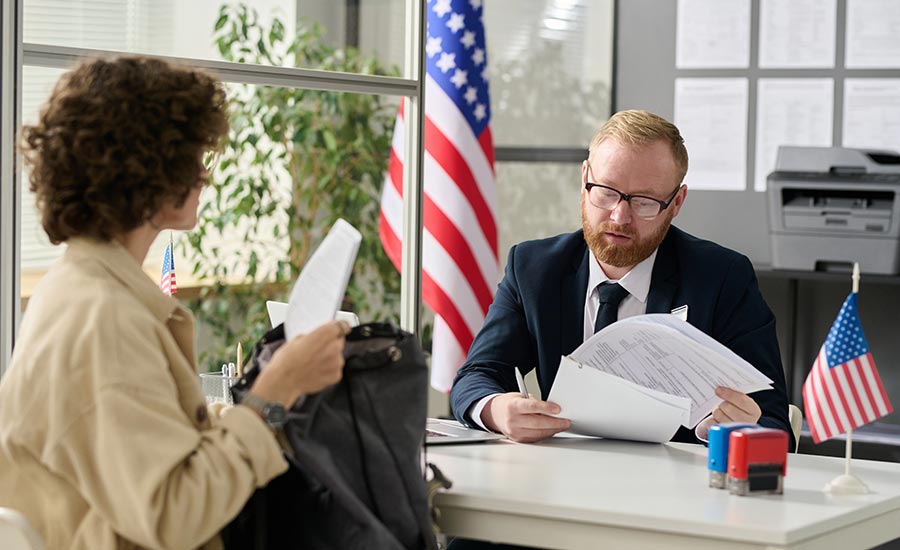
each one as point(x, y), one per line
point(319, 290)
point(649, 374)
point(523, 419)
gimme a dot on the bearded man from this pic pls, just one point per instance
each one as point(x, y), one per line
point(627, 260)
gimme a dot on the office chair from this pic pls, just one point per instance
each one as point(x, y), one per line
point(795, 416)
point(16, 533)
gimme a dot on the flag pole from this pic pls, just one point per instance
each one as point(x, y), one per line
point(848, 484)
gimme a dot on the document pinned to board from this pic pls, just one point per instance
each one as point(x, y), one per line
point(642, 377)
point(319, 290)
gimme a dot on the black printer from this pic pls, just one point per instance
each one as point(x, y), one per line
point(832, 206)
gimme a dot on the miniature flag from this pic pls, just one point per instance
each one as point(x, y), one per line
point(843, 390)
point(167, 282)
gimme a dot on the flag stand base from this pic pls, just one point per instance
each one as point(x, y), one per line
point(846, 484)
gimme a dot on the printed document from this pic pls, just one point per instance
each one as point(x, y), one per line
point(642, 377)
point(712, 34)
point(790, 111)
point(320, 288)
point(712, 116)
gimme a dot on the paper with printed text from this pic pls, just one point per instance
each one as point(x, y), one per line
point(658, 370)
point(320, 287)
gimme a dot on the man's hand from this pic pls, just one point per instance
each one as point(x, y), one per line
point(735, 407)
point(523, 419)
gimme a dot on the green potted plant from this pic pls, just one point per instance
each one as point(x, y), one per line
point(294, 162)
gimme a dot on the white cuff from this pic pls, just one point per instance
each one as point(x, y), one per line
point(474, 412)
point(701, 432)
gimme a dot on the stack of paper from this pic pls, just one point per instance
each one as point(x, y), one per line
point(642, 377)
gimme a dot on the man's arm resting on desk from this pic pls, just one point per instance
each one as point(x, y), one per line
point(519, 418)
point(474, 412)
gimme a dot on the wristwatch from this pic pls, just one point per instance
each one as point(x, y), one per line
point(273, 413)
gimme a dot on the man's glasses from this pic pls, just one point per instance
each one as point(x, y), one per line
point(607, 198)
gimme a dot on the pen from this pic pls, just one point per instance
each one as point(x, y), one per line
point(520, 380)
point(240, 360)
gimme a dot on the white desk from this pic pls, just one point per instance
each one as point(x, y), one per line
point(581, 494)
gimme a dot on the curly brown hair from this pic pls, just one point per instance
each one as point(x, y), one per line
point(117, 139)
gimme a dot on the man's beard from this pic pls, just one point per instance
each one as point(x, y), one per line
point(617, 255)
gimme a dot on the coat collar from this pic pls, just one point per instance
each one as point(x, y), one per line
point(664, 281)
point(121, 265)
point(572, 299)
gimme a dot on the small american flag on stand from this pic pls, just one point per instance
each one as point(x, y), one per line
point(167, 281)
point(460, 265)
point(843, 390)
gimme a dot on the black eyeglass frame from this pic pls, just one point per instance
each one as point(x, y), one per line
point(627, 198)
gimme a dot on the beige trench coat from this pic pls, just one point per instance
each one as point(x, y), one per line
point(105, 438)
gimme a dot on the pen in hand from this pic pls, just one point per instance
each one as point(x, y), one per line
point(520, 380)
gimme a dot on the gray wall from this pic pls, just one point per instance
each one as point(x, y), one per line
point(645, 79)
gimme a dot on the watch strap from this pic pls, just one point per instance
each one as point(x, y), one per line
point(272, 413)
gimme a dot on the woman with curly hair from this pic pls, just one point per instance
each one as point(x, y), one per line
point(105, 437)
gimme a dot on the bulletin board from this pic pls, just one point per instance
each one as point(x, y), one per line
point(746, 73)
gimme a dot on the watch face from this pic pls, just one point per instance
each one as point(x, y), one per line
point(275, 415)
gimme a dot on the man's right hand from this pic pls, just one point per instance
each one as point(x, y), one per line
point(523, 419)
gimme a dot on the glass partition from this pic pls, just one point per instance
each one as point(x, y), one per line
point(186, 29)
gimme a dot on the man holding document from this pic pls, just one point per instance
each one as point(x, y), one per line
point(626, 261)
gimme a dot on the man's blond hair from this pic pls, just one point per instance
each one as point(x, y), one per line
point(642, 128)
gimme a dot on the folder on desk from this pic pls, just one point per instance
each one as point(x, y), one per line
point(602, 404)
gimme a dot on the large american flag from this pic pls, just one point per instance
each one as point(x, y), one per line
point(843, 390)
point(459, 263)
point(167, 281)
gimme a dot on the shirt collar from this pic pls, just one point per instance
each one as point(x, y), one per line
point(121, 265)
point(636, 281)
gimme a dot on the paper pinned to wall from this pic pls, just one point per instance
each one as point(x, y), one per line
point(790, 111)
point(713, 34)
point(321, 285)
point(712, 116)
point(872, 113)
point(797, 34)
point(872, 40)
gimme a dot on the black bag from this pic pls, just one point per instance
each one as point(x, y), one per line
point(355, 478)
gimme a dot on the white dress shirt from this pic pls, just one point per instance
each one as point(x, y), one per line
point(636, 282)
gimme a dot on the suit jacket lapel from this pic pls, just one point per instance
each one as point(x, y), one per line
point(571, 303)
point(664, 281)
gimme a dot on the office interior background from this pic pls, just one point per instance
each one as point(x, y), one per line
point(557, 69)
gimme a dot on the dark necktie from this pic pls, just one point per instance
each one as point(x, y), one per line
point(611, 295)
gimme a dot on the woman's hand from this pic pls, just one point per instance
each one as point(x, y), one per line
point(307, 364)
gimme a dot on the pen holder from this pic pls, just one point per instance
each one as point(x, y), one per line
point(217, 387)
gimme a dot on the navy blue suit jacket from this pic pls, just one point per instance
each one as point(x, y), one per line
point(538, 316)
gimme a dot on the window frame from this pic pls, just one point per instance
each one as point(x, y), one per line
point(16, 54)
point(10, 109)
